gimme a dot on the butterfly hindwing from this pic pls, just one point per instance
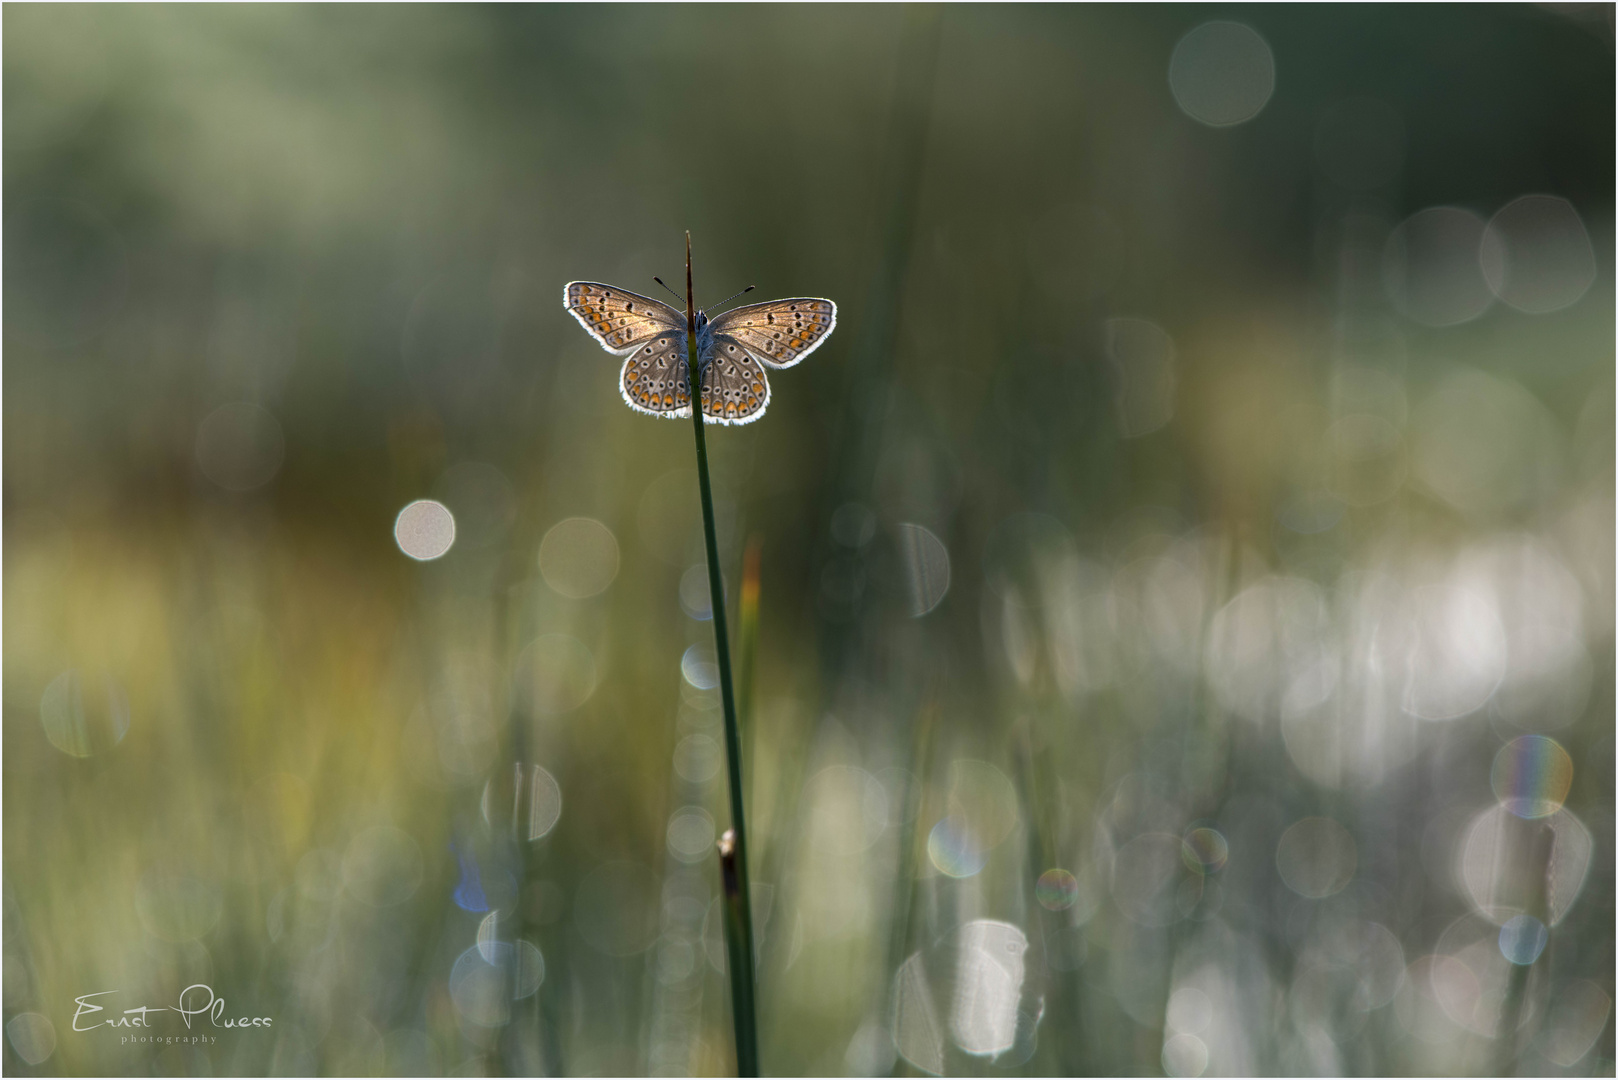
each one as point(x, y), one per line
point(780, 332)
point(653, 379)
point(735, 389)
point(621, 321)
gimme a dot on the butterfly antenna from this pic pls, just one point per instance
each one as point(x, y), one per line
point(722, 303)
point(672, 293)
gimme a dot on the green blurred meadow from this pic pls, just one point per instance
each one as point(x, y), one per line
point(1187, 599)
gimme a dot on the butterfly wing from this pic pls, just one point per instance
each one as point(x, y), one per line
point(780, 332)
point(621, 321)
point(735, 389)
point(653, 379)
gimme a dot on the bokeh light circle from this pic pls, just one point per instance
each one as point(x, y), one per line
point(1205, 850)
point(1367, 953)
point(1056, 890)
point(953, 850)
point(676, 961)
point(1470, 977)
point(1522, 939)
point(578, 557)
point(544, 802)
point(1184, 1055)
point(424, 530)
point(1222, 73)
point(695, 598)
point(697, 758)
point(32, 1036)
point(1537, 255)
point(489, 975)
point(240, 446)
point(699, 668)
point(968, 988)
point(1431, 267)
point(1316, 857)
point(1531, 776)
point(1577, 1017)
point(691, 834)
point(1485, 445)
point(926, 564)
point(84, 715)
point(988, 976)
point(1511, 866)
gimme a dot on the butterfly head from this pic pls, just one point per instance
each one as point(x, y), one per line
point(704, 335)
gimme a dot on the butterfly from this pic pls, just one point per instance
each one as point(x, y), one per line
point(733, 349)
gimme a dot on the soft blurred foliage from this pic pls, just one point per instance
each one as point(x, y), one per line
point(1185, 638)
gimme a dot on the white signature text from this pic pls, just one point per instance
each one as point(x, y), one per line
point(198, 999)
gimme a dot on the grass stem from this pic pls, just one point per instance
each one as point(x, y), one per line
point(733, 848)
point(747, 652)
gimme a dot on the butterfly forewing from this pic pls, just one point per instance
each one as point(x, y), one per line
point(619, 320)
point(780, 332)
point(734, 387)
point(653, 379)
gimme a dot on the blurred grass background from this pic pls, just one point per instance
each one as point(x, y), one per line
point(1186, 626)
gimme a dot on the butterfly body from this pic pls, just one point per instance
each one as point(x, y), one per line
point(733, 349)
point(705, 341)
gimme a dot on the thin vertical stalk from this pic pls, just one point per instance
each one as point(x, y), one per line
point(747, 651)
point(733, 847)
